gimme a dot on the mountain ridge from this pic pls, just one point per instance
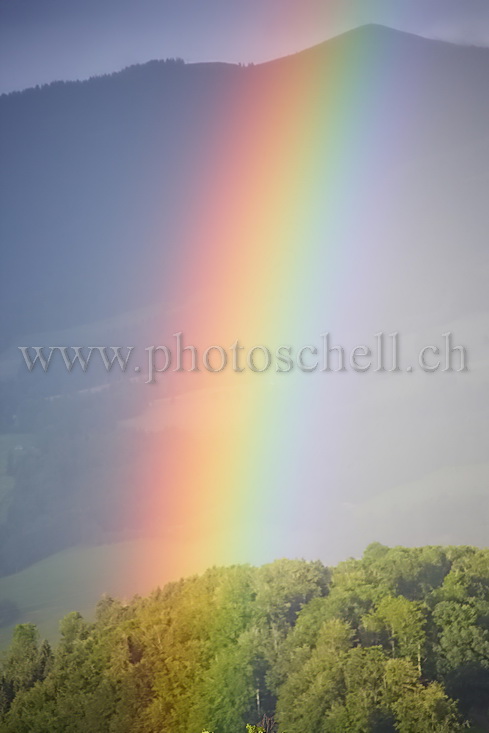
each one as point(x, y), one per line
point(377, 32)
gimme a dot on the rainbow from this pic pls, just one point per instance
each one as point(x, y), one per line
point(274, 251)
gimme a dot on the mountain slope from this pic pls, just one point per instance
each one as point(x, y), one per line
point(104, 187)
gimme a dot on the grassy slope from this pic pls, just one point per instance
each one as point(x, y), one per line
point(70, 580)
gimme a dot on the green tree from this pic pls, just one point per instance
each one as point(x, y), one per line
point(403, 622)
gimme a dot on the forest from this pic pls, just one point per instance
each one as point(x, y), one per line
point(395, 641)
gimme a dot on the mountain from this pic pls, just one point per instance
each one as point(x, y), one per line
point(91, 168)
point(104, 187)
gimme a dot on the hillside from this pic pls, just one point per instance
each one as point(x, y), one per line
point(91, 168)
point(104, 210)
point(396, 641)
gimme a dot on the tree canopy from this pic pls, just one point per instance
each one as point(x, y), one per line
point(396, 641)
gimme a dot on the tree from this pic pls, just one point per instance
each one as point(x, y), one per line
point(404, 623)
point(25, 662)
point(426, 710)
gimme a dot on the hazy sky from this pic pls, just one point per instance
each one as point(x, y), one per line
point(45, 40)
